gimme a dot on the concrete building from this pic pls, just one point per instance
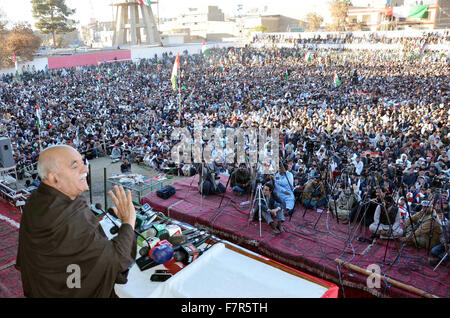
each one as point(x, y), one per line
point(272, 23)
point(98, 34)
point(400, 15)
point(204, 23)
point(443, 15)
point(211, 24)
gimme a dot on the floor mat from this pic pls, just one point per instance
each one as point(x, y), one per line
point(311, 243)
point(10, 282)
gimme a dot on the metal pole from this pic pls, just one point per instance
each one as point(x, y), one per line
point(445, 256)
point(201, 187)
point(104, 185)
point(90, 184)
point(259, 207)
point(179, 95)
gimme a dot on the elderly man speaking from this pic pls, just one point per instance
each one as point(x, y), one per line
point(60, 237)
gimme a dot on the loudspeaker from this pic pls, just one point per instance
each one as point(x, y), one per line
point(6, 153)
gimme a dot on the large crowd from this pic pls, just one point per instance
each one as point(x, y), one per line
point(354, 38)
point(388, 118)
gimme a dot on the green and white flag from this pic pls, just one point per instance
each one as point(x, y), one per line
point(307, 57)
point(38, 116)
point(419, 11)
point(336, 80)
point(205, 50)
point(174, 77)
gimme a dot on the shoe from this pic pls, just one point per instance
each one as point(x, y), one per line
point(274, 228)
point(280, 227)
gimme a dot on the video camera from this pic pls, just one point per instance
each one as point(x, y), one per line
point(260, 178)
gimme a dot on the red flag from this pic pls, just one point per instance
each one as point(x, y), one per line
point(15, 61)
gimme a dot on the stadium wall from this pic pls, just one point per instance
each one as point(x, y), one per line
point(135, 54)
point(87, 59)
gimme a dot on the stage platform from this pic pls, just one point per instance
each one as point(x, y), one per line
point(302, 246)
point(10, 282)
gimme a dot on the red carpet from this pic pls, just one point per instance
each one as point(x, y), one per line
point(10, 283)
point(301, 246)
point(305, 248)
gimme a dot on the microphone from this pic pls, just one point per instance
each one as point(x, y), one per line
point(177, 239)
point(189, 252)
point(158, 229)
point(115, 229)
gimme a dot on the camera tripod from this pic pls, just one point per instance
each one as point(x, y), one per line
point(199, 171)
point(258, 195)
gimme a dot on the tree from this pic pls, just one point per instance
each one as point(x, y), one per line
point(314, 21)
point(22, 41)
point(3, 41)
point(339, 13)
point(53, 17)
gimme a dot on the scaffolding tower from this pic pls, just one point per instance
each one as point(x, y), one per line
point(131, 17)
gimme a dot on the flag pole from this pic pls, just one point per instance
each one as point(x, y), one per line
point(15, 63)
point(40, 144)
point(38, 118)
point(179, 95)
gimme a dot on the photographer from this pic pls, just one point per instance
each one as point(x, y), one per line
point(314, 195)
point(284, 188)
point(359, 165)
point(273, 209)
point(387, 220)
point(240, 180)
point(344, 204)
point(425, 227)
point(440, 251)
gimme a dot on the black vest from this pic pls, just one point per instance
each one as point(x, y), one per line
point(392, 213)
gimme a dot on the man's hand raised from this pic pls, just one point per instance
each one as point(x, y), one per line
point(124, 205)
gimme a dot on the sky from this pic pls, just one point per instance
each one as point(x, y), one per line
point(20, 10)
